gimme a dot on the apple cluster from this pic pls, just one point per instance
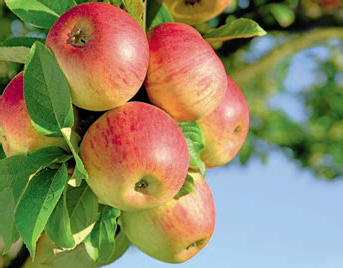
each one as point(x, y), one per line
point(136, 156)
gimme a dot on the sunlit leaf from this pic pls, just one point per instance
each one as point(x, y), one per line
point(239, 28)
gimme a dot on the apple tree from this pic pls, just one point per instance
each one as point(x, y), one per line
point(114, 112)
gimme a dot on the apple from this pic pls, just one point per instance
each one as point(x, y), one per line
point(185, 76)
point(225, 129)
point(195, 11)
point(103, 53)
point(177, 230)
point(17, 134)
point(136, 157)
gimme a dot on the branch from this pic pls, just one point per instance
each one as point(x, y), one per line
point(243, 75)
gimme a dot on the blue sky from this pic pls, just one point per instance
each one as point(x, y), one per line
point(272, 215)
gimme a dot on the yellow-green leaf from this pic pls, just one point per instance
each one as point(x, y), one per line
point(135, 8)
point(14, 54)
point(239, 28)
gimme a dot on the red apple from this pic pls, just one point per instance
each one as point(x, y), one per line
point(176, 231)
point(16, 131)
point(195, 11)
point(185, 76)
point(103, 53)
point(136, 157)
point(225, 129)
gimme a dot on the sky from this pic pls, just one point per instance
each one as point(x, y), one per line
point(267, 216)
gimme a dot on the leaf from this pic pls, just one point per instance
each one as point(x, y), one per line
point(14, 54)
point(195, 143)
point(46, 256)
point(157, 13)
point(122, 243)
point(82, 206)
point(46, 92)
point(22, 41)
point(246, 150)
point(9, 169)
point(115, 2)
point(77, 257)
point(187, 187)
point(80, 171)
point(32, 164)
point(100, 244)
point(2, 152)
point(8, 230)
point(135, 8)
point(58, 226)
point(283, 14)
point(239, 28)
point(37, 204)
point(40, 13)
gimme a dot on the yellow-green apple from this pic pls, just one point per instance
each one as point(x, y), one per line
point(136, 157)
point(16, 131)
point(177, 230)
point(195, 11)
point(103, 53)
point(225, 129)
point(185, 76)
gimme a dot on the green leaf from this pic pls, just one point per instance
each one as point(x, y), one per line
point(9, 168)
point(47, 256)
point(135, 9)
point(282, 13)
point(122, 243)
point(100, 244)
point(22, 41)
point(157, 13)
point(115, 2)
point(8, 230)
point(79, 171)
point(14, 54)
point(77, 257)
point(37, 204)
point(195, 143)
point(246, 150)
point(46, 92)
point(239, 28)
point(2, 152)
point(187, 187)
point(40, 13)
point(82, 206)
point(32, 164)
point(58, 226)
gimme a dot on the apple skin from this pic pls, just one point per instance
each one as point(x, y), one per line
point(17, 134)
point(177, 230)
point(103, 53)
point(185, 76)
point(136, 157)
point(195, 11)
point(225, 129)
